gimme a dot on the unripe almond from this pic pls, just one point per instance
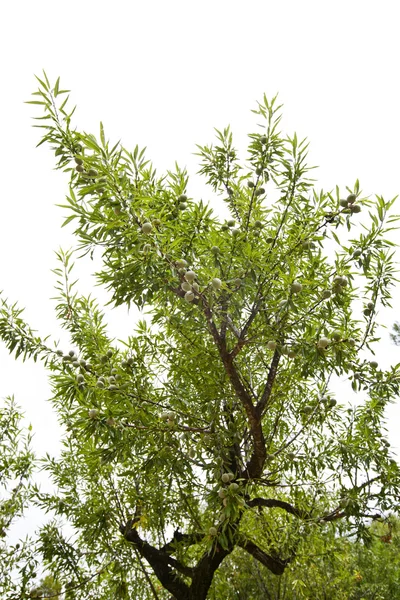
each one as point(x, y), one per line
point(225, 477)
point(186, 286)
point(147, 227)
point(93, 413)
point(351, 198)
point(271, 345)
point(213, 531)
point(189, 296)
point(216, 283)
point(190, 276)
point(181, 263)
point(323, 342)
point(296, 287)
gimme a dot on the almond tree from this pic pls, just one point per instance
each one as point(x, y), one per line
point(214, 425)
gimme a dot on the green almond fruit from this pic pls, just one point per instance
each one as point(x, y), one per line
point(147, 227)
point(296, 287)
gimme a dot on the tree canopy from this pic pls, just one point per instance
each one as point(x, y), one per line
point(213, 430)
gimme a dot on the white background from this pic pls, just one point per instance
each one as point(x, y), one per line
point(162, 74)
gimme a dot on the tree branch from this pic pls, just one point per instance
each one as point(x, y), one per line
point(160, 562)
point(275, 503)
point(265, 396)
point(275, 565)
point(255, 465)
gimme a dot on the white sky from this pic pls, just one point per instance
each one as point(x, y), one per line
point(162, 74)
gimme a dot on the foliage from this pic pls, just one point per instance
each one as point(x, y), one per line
point(214, 425)
point(395, 335)
point(328, 566)
point(16, 465)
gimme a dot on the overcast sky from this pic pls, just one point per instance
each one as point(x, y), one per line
point(162, 74)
